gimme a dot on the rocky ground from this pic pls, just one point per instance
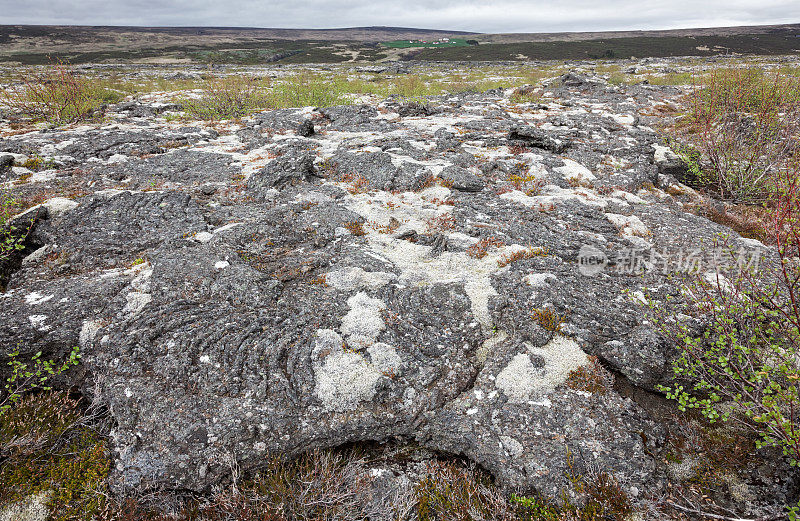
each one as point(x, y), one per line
point(396, 272)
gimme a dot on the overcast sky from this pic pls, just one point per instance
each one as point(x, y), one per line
point(468, 15)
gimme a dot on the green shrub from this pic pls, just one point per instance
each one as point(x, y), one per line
point(227, 97)
point(743, 367)
point(30, 376)
point(12, 239)
point(309, 90)
point(235, 96)
point(743, 363)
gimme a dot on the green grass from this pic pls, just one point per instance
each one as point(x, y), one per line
point(405, 44)
point(235, 96)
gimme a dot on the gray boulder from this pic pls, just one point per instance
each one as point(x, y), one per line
point(461, 179)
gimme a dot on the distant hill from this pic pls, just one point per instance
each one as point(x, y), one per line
point(605, 35)
point(35, 44)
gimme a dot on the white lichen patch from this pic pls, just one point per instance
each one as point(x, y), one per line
point(136, 301)
point(343, 378)
point(139, 297)
point(363, 323)
point(554, 195)
point(572, 170)
point(539, 279)
point(385, 358)
point(511, 445)
point(520, 380)
point(420, 268)
point(38, 322)
point(628, 225)
point(89, 330)
point(413, 210)
point(416, 263)
point(33, 298)
point(662, 154)
point(352, 278)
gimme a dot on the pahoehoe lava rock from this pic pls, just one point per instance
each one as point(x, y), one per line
point(265, 292)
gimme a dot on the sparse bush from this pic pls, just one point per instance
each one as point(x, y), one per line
point(58, 96)
point(744, 123)
point(743, 364)
point(236, 96)
point(227, 97)
point(412, 86)
point(308, 90)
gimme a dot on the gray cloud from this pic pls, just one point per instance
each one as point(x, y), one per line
point(469, 15)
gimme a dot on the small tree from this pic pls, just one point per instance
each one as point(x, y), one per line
point(745, 364)
point(744, 123)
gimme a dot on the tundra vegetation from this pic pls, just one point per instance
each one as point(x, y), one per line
point(735, 363)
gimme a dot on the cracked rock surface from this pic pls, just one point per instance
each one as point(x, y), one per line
point(311, 278)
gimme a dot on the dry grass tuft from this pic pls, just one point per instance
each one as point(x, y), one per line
point(548, 319)
point(592, 378)
point(529, 253)
point(481, 248)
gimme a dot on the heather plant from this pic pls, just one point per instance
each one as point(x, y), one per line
point(57, 95)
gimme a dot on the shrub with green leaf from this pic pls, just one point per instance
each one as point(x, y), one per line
point(35, 374)
point(739, 357)
point(309, 90)
point(12, 236)
point(228, 97)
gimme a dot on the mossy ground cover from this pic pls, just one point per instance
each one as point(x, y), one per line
point(47, 445)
